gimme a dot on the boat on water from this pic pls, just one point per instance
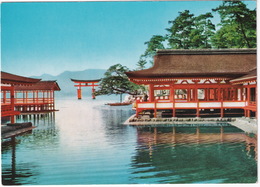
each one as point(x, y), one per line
point(118, 104)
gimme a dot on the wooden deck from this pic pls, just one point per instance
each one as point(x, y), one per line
point(12, 130)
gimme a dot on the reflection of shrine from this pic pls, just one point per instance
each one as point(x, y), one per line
point(177, 135)
point(46, 118)
point(189, 137)
point(14, 172)
point(197, 153)
point(9, 177)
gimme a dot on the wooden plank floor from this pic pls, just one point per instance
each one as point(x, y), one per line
point(16, 132)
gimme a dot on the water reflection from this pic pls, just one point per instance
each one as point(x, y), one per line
point(15, 171)
point(113, 119)
point(17, 168)
point(171, 155)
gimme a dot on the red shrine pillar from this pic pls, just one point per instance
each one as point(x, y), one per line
point(4, 96)
point(12, 103)
point(93, 91)
point(198, 102)
point(151, 93)
point(172, 99)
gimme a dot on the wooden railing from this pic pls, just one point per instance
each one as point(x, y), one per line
point(7, 110)
point(252, 103)
point(28, 101)
point(181, 104)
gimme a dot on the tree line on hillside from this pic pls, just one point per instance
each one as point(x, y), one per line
point(237, 29)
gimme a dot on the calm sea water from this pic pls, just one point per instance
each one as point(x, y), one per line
point(86, 143)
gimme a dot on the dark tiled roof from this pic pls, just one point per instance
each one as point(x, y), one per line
point(199, 63)
point(42, 85)
point(8, 78)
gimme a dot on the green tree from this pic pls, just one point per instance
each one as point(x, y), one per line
point(235, 16)
point(141, 63)
point(185, 32)
point(116, 82)
point(156, 42)
point(202, 31)
point(227, 37)
point(190, 32)
point(180, 31)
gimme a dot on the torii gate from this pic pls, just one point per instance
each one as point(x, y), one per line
point(85, 83)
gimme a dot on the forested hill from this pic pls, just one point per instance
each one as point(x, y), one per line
point(66, 85)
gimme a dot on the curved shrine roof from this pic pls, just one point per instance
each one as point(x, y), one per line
point(8, 78)
point(199, 63)
point(250, 76)
point(42, 85)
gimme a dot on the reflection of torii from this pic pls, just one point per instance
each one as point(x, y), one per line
point(85, 83)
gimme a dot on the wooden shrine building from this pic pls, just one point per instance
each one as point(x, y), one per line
point(38, 97)
point(22, 94)
point(199, 83)
point(85, 83)
point(8, 82)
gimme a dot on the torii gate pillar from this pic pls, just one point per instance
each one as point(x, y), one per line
point(79, 93)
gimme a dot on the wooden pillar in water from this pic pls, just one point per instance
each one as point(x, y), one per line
point(12, 103)
point(93, 91)
point(198, 134)
point(52, 98)
point(155, 135)
point(221, 133)
point(79, 92)
point(173, 130)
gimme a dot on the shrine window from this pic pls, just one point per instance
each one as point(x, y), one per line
point(201, 94)
point(252, 94)
point(161, 94)
point(5, 97)
point(181, 94)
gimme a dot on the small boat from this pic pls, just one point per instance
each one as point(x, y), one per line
point(118, 104)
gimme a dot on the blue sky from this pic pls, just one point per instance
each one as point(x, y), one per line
point(52, 37)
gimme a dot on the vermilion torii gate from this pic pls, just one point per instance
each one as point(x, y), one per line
point(85, 83)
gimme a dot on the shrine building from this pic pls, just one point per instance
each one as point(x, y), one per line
point(22, 94)
point(39, 97)
point(199, 83)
